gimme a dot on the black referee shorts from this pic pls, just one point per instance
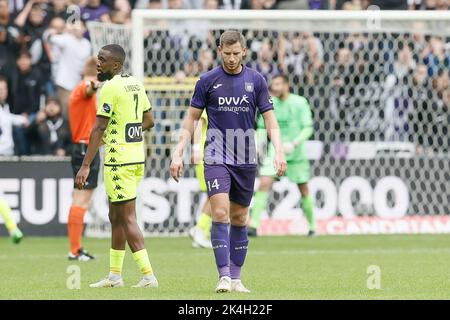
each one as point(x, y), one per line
point(78, 152)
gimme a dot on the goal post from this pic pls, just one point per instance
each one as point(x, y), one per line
point(300, 20)
point(378, 85)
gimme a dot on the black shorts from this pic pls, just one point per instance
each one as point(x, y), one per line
point(78, 152)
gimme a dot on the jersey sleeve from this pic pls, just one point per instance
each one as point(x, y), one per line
point(106, 101)
point(263, 98)
point(199, 97)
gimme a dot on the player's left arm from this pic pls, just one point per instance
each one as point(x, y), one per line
point(273, 131)
point(147, 121)
point(264, 102)
point(306, 122)
point(147, 118)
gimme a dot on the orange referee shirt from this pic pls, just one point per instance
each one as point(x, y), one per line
point(82, 113)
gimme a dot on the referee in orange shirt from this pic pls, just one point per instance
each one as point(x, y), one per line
point(82, 114)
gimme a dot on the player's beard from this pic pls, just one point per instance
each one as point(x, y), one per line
point(104, 76)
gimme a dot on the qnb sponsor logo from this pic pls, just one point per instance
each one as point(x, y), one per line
point(133, 132)
point(234, 104)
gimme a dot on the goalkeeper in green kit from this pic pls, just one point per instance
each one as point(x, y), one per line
point(295, 120)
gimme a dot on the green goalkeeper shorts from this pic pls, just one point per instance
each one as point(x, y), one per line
point(121, 182)
point(200, 175)
point(298, 171)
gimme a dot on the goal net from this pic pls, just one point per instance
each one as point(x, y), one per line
point(378, 86)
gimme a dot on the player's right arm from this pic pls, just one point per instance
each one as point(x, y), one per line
point(186, 132)
point(197, 143)
point(95, 141)
point(198, 104)
point(105, 109)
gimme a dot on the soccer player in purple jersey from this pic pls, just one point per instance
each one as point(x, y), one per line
point(231, 94)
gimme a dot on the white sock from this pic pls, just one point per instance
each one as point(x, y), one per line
point(114, 277)
point(150, 277)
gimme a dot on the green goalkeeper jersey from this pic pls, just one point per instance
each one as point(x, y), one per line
point(123, 100)
point(294, 116)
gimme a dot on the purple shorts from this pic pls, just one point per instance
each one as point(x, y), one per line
point(237, 181)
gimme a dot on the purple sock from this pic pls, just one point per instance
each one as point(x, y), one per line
point(220, 241)
point(238, 250)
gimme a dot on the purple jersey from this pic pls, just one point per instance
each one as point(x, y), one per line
point(93, 13)
point(231, 102)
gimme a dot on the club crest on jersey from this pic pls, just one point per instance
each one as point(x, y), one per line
point(249, 86)
point(106, 108)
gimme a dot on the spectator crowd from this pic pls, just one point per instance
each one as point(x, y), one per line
point(44, 45)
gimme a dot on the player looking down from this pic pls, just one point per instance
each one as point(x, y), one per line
point(231, 94)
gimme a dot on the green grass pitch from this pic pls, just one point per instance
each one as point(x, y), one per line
point(328, 267)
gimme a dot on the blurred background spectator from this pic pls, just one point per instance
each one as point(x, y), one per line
point(33, 21)
point(27, 87)
point(58, 8)
point(74, 50)
point(50, 131)
point(7, 121)
point(94, 10)
point(44, 45)
point(265, 62)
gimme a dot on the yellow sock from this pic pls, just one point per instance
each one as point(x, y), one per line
point(5, 212)
point(116, 261)
point(204, 223)
point(141, 258)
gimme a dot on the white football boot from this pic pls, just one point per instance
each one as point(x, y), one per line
point(237, 286)
point(108, 283)
point(147, 282)
point(199, 238)
point(224, 285)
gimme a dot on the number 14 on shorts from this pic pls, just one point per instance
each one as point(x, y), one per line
point(214, 184)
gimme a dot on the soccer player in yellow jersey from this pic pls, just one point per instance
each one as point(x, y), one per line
point(123, 114)
point(200, 233)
